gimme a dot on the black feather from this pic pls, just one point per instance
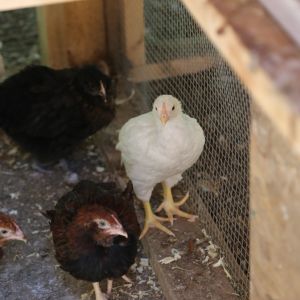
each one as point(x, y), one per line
point(48, 112)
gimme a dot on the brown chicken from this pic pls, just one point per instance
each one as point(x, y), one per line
point(9, 230)
point(95, 233)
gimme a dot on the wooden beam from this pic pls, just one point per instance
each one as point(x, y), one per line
point(114, 33)
point(17, 4)
point(169, 69)
point(262, 54)
point(287, 14)
point(73, 33)
point(132, 16)
point(275, 211)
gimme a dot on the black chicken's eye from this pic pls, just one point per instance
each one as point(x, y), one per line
point(173, 107)
point(4, 231)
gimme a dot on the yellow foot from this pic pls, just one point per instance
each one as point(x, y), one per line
point(151, 220)
point(172, 208)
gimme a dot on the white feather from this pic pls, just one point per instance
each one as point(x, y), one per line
point(153, 153)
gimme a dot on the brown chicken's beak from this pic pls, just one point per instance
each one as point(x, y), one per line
point(19, 235)
point(117, 231)
point(164, 117)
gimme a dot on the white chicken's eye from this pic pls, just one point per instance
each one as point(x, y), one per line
point(155, 108)
point(173, 107)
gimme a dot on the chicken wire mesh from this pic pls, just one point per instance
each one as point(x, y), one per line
point(219, 182)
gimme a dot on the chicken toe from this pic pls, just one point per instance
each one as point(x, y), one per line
point(99, 295)
point(172, 208)
point(151, 220)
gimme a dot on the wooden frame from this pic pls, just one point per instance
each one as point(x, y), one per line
point(268, 62)
point(17, 4)
point(287, 14)
point(169, 69)
point(261, 53)
point(73, 33)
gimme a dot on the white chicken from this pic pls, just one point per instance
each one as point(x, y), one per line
point(157, 147)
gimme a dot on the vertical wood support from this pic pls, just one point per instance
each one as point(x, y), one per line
point(72, 33)
point(275, 214)
point(125, 33)
point(133, 34)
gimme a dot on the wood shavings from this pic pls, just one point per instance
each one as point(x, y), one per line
point(99, 169)
point(38, 206)
point(219, 263)
point(13, 151)
point(144, 262)
point(205, 233)
point(212, 250)
point(205, 260)
point(170, 259)
point(193, 219)
point(13, 212)
point(14, 196)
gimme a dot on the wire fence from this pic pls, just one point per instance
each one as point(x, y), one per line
point(219, 182)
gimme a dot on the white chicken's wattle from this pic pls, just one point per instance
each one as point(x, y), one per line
point(157, 147)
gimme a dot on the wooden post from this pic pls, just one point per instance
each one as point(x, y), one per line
point(73, 33)
point(133, 31)
point(275, 214)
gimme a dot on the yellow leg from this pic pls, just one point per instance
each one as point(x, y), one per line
point(151, 220)
point(171, 207)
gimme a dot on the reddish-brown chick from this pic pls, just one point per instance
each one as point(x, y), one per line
point(9, 230)
point(95, 232)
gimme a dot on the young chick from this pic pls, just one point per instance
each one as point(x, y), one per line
point(157, 147)
point(49, 112)
point(95, 229)
point(9, 230)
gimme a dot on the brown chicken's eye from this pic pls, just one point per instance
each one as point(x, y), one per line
point(4, 231)
point(103, 224)
point(173, 107)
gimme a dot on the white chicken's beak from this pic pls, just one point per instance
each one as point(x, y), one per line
point(117, 231)
point(164, 117)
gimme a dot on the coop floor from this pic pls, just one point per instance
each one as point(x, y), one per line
point(29, 271)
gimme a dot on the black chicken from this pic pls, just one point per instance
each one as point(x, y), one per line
point(48, 112)
point(95, 232)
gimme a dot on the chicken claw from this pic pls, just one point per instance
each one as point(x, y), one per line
point(172, 208)
point(127, 279)
point(151, 220)
point(99, 295)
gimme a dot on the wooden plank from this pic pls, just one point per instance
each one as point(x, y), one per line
point(17, 4)
point(132, 16)
point(261, 53)
point(275, 211)
point(114, 33)
point(169, 69)
point(287, 14)
point(73, 33)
